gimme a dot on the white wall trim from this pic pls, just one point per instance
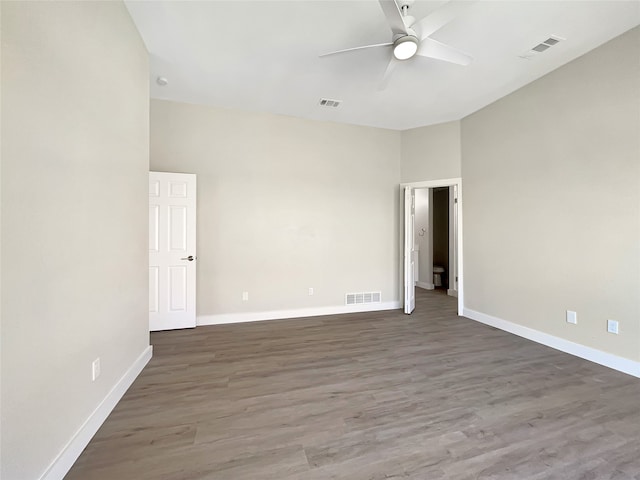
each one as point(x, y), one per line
point(452, 292)
point(444, 182)
point(224, 318)
point(425, 285)
point(70, 453)
point(588, 353)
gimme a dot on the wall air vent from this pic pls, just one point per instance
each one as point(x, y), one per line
point(327, 102)
point(541, 47)
point(361, 298)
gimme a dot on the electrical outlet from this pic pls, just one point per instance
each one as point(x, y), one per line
point(612, 326)
point(95, 369)
point(310, 290)
point(572, 317)
point(245, 296)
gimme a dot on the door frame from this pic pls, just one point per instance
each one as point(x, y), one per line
point(409, 278)
point(446, 182)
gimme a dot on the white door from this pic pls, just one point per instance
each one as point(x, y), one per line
point(409, 246)
point(172, 251)
point(453, 240)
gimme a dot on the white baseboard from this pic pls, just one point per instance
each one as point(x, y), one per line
point(224, 318)
point(425, 285)
point(70, 453)
point(588, 353)
point(452, 292)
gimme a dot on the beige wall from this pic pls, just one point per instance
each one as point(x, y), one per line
point(74, 219)
point(1, 244)
point(431, 153)
point(551, 182)
point(284, 204)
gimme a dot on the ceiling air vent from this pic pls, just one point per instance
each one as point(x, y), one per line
point(541, 47)
point(361, 298)
point(327, 102)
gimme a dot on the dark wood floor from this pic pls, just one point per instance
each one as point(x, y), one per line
point(367, 396)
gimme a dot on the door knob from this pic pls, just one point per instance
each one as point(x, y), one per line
point(191, 258)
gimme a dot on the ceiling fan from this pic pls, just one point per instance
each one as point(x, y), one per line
point(411, 37)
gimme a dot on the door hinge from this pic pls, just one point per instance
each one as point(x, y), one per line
point(455, 200)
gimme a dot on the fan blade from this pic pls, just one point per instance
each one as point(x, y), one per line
point(394, 16)
point(434, 49)
point(393, 63)
point(357, 48)
point(438, 19)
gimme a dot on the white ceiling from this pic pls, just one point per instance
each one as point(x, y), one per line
point(263, 55)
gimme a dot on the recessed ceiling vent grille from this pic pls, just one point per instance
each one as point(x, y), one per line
point(362, 298)
point(328, 102)
point(541, 47)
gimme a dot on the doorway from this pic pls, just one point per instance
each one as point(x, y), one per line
point(432, 238)
point(436, 266)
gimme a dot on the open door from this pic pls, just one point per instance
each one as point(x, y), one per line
point(453, 240)
point(409, 246)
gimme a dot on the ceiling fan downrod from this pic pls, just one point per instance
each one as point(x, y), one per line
point(405, 46)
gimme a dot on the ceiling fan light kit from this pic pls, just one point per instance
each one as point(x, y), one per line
point(405, 47)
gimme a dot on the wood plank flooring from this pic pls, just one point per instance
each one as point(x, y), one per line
point(367, 396)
